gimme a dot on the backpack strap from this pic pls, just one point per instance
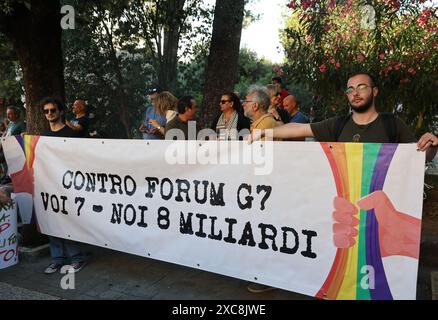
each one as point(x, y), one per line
point(340, 124)
point(390, 126)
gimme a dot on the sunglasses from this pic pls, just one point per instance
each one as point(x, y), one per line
point(225, 101)
point(47, 111)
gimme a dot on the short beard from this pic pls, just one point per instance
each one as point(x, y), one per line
point(365, 107)
point(55, 120)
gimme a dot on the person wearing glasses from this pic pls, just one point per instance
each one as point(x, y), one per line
point(364, 124)
point(62, 251)
point(256, 108)
point(231, 120)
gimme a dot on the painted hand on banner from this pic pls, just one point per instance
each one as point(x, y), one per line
point(399, 233)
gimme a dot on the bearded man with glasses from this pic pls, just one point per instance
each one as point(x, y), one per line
point(364, 124)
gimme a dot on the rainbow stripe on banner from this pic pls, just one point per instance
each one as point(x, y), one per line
point(358, 170)
point(23, 180)
point(28, 144)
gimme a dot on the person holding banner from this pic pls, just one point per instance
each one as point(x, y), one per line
point(364, 124)
point(61, 250)
point(399, 233)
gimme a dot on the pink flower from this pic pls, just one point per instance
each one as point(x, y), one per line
point(411, 70)
point(332, 4)
point(422, 21)
point(382, 56)
point(323, 68)
point(291, 4)
point(305, 4)
point(337, 65)
point(308, 39)
point(397, 67)
point(360, 57)
point(332, 61)
point(394, 3)
point(389, 68)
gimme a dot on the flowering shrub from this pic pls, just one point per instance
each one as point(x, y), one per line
point(395, 40)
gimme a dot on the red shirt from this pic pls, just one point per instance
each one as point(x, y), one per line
point(283, 94)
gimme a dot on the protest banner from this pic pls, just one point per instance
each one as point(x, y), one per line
point(335, 221)
point(8, 237)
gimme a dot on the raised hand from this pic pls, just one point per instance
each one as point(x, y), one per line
point(399, 233)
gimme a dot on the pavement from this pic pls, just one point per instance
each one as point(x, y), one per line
point(116, 275)
point(113, 275)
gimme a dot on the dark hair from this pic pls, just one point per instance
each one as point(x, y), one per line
point(372, 78)
point(184, 102)
point(278, 79)
point(17, 110)
point(237, 104)
point(58, 103)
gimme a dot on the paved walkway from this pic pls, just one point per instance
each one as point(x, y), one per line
point(115, 275)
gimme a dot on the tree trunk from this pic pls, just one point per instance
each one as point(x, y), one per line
point(35, 33)
point(223, 61)
point(167, 74)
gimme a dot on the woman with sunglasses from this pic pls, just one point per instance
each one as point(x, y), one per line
point(280, 115)
point(231, 120)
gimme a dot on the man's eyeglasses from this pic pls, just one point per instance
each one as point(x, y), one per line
point(359, 88)
point(225, 101)
point(47, 111)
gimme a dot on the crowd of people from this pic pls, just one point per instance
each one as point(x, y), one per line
point(266, 112)
point(274, 107)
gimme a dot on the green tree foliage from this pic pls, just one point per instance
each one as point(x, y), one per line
point(253, 70)
point(168, 29)
point(11, 86)
point(325, 41)
point(119, 48)
point(104, 66)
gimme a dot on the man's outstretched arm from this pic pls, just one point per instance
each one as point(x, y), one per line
point(287, 131)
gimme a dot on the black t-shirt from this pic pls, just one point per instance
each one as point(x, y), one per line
point(66, 132)
point(84, 123)
point(325, 131)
